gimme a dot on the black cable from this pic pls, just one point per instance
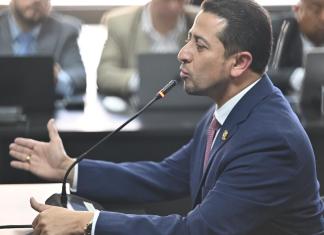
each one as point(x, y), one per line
point(16, 226)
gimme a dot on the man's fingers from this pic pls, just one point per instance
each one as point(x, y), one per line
point(28, 143)
point(19, 148)
point(52, 130)
point(20, 165)
point(35, 222)
point(38, 206)
point(36, 227)
point(22, 149)
point(20, 155)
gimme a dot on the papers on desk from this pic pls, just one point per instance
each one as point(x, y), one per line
point(14, 203)
point(93, 119)
point(22, 231)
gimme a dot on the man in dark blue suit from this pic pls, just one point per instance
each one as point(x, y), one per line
point(253, 172)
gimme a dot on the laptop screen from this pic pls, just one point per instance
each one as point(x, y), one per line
point(310, 100)
point(156, 70)
point(28, 83)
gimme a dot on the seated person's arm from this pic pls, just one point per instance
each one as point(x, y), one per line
point(114, 70)
point(71, 77)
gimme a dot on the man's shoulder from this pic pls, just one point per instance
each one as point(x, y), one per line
point(123, 15)
point(3, 14)
point(274, 116)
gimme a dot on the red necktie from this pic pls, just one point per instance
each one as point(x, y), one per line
point(212, 129)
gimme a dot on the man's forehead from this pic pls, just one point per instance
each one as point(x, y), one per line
point(207, 19)
point(321, 2)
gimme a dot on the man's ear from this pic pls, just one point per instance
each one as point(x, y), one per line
point(241, 62)
point(296, 10)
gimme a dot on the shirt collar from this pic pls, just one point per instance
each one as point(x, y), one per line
point(222, 113)
point(16, 31)
point(308, 44)
point(147, 25)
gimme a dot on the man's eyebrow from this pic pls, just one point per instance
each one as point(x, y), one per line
point(197, 37)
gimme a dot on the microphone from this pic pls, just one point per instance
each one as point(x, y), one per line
point(83, 204)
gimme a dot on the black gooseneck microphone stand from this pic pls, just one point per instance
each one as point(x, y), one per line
point(82, 204)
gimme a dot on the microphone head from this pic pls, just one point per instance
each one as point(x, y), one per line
point(165, 90)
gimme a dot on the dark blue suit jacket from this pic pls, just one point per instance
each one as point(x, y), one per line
point(261, 178)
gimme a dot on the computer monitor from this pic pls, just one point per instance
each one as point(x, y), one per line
point(28, 83)
point(310, 100)
point(156, 70)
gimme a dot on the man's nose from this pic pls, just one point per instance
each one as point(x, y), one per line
point(184, 55)
point(321, 15)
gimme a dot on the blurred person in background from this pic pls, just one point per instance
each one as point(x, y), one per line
point(299, 33)
point(197, 2)
point(29, 28)
point(159, 26)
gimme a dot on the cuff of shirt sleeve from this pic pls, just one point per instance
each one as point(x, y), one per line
point(297, 78)
point(134, 83)
point(64, 84)
point(74, 185)
point(94, 222)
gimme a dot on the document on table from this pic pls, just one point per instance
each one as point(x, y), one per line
point(14, 204)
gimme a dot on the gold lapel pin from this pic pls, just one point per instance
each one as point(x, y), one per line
point(225, 135)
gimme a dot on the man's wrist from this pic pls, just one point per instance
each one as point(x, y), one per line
point(71, 174)
point(87, 229)
point(64, 167)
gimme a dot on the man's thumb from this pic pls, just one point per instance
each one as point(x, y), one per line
point(38, 206)
point(52, 130)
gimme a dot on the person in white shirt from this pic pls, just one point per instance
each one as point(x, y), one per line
point(160, 26)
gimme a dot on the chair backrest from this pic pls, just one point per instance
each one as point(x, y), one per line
point(310, 100)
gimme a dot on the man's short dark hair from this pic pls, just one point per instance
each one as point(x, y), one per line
point(248, 28)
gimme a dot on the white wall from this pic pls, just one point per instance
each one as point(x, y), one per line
point(137, 2)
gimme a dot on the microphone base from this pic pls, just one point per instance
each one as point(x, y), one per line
point(77, 203)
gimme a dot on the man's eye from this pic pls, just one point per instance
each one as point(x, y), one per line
point(200, 47)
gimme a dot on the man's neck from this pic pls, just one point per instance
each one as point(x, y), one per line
point(23, 25)
point(161, 24)
point(236, 86)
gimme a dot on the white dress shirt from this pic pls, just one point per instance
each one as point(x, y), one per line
point(168, 43)
point(222, 112)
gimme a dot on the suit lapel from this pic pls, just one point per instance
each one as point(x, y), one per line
point(238, 115)
point(223, 136)
point(46, 42)
point(138, 41)
point(219, 142)
point(142, 42)
point(5, 36)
